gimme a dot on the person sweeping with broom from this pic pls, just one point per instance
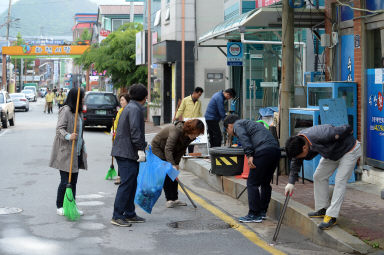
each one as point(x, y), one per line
point(68, 152)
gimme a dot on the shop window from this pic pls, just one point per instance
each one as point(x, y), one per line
point(167, 14)
point(157, 18)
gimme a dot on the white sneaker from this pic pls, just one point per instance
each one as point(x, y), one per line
point(179, 203)
point(80, 212)
point(170, 204)
point(60, 211)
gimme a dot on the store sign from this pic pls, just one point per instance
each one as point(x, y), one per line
point(347, 58)
point(234, 54)
point(263, 3)
point(46, 50)
point(375, 114)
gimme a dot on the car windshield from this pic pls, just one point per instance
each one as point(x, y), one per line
point(16, 95)
point(101, 99)
point(1, 99)
point(27, 91)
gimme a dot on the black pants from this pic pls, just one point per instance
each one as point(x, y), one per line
point(214, 132)
point(170, 189)
point(124, 206)
point(259, 179)
point(63, 185)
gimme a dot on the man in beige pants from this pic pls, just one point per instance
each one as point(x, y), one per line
point(339, 150)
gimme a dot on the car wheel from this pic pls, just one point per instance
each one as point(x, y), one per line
point(27, 109)
point(12, 121)
point(5, 121)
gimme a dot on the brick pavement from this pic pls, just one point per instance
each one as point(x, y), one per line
point(362, 213)
point(150, 128)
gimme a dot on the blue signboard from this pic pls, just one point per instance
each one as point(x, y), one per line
point(347, 58)
point(234, 54)
point(375, 114)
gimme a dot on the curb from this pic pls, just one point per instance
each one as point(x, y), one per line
point(296, 214)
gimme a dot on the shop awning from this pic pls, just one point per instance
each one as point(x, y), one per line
point(263, 19)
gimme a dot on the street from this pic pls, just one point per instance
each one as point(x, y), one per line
point(29, 184)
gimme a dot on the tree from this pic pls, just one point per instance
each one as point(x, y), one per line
point(117, 56)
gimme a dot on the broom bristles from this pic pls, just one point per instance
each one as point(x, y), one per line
point(69, 206)
point(111, 173)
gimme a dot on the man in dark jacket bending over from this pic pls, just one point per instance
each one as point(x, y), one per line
point(263, 153)
point(338, 149)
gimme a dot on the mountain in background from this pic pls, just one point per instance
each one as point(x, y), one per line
point(45, 17)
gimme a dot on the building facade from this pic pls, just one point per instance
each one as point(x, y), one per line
point(357, 55)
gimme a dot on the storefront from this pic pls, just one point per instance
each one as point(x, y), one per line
point(167, 54)
point(257, 80)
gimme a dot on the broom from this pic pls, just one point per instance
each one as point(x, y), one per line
point(111, 172)
point(69, 205)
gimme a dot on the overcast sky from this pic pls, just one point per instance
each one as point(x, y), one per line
point(4, 3)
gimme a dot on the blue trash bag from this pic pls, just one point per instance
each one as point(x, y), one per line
point(150, 180)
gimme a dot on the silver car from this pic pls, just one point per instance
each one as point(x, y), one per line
point(20, 101)
point(29, 94)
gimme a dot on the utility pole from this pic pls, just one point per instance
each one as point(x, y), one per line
point(149, 44)
point(183, 48)
point(4, 58)
point(9, 19)
point(286, 89)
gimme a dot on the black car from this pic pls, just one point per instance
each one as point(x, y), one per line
point(100, 108)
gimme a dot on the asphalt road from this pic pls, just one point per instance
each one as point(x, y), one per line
point(28, 183)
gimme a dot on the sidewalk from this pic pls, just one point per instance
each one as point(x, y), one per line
point(150, 128)
point(360, 226)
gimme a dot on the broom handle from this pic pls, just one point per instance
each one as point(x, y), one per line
point(74, 131)
point(113, 134)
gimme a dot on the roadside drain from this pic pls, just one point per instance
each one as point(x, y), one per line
point(200, 225)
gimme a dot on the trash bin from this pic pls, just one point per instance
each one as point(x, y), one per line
point(226, 161)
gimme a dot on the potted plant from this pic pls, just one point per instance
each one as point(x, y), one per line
point(155, 106)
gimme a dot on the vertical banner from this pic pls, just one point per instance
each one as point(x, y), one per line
point(375, 114)
point(347, 58)
point(55, 72)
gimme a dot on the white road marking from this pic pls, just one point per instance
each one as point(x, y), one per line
point(4, 132)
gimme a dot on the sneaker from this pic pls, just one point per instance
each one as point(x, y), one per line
point(179, 203)
point(250, 218)
point(327, 223)
point(170, 204)
point(118, 181)
point(80, 212)
point(120, 223)
point(135, 219)
point(317, 214)
point(60, 211)
point(263, 215)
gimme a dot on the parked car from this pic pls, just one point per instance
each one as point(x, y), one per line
point(100, 108)
point(29, 94)
point(7, 110)
point(34, 91)
point(20, 101)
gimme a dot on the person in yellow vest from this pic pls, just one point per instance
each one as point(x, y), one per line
point(190, 107)
point(49, 100)
point(60, 99)
point(124, 100)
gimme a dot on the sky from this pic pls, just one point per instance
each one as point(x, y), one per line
point(4, 3)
